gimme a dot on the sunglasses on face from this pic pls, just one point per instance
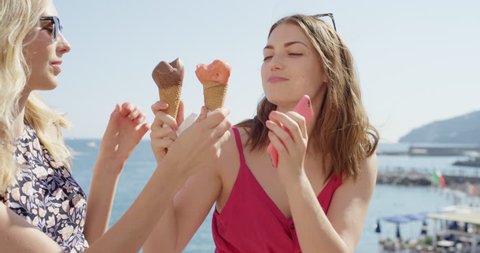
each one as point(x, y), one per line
point(55, 29)
point(330, 15)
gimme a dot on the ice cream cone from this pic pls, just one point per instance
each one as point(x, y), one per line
point(214, 95)
point(171, 95)
point(169, 80)
point(214, 78)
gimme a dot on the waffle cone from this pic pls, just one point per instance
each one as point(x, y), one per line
point(214, 95)
point(171, 95)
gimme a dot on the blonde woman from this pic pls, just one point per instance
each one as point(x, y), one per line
point(42, 207)
point(317, 198)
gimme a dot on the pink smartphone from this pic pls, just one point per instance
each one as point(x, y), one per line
point(304, 108)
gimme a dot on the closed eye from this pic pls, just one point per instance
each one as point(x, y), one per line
point(266, 58)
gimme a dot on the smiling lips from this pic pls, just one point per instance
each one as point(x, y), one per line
point(56, 66)
point(277, 79)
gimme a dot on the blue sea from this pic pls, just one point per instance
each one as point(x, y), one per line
point(387, 200)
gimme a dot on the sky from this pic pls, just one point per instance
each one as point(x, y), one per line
point(418, 61)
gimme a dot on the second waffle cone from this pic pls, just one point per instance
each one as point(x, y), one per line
point(214, 95)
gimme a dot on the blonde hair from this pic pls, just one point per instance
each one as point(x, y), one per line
point(342, 130)
point(18, 18)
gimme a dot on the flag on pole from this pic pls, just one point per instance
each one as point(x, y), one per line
point(438, 179)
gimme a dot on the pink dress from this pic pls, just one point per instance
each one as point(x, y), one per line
point(250, 222)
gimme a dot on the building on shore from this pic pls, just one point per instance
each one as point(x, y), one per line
point(443, 149)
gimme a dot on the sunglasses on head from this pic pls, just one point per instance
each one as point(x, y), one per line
point(330, 15)
point(57, 27)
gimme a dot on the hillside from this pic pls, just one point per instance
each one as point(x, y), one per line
point(464, 129)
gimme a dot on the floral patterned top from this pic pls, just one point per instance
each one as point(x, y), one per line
point(46, 195)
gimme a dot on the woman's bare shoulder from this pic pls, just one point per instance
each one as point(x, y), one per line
point(368, 168)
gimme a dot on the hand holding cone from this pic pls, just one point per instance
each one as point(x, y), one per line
point(169, 80)
point(214, 78)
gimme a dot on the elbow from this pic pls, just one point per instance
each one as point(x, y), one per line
point(337, 248)
point(343, 247)
point(347, 248)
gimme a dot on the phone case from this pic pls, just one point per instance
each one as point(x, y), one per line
point(304, 108)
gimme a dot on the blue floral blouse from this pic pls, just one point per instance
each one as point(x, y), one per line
point(46, 195)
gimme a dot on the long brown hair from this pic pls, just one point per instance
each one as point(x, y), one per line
point(342, 131)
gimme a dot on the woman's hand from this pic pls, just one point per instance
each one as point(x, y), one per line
point(164, 128)
point(288, 134)
point(124, 131)
point(200, 144)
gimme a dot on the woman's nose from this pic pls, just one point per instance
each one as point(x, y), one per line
point(276, 63)
point(63, 45)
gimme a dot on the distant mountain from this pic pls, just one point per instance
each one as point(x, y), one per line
point(463, 129)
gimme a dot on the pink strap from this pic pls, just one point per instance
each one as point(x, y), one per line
point(238, 141)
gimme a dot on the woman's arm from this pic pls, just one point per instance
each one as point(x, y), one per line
point(186, 213)
point(340, 230)
point(131, 231)
point(127, 235)
point(123, 133)
point(201, 141)
point(192, 203)
point(17, 235)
